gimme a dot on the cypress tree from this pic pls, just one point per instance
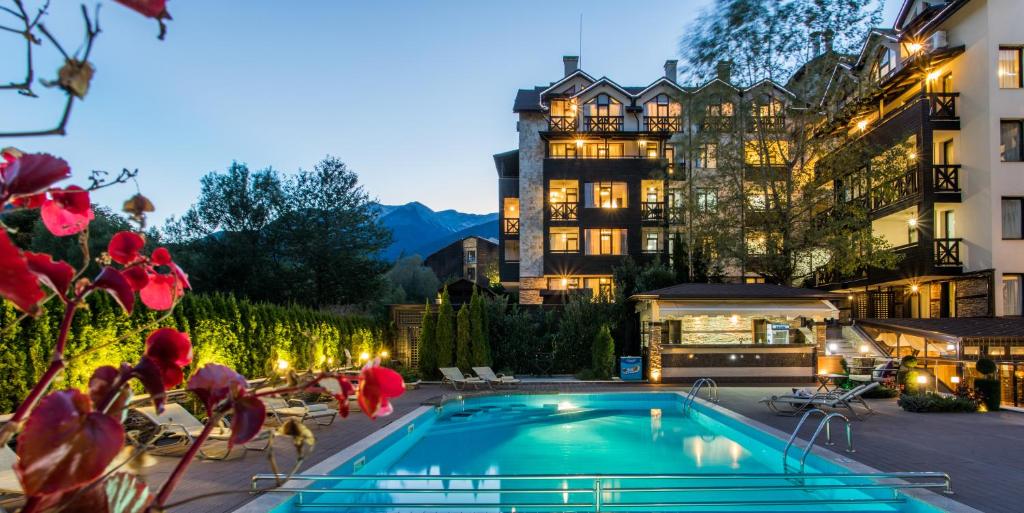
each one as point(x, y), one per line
point(462, 349)
point(478, 331)
point(603, 353)
point(428, 344)
point(444, 331)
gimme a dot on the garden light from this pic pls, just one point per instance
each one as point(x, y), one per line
point(282, 364)
point(864, 348)
point(922, 379)
point(364, 356)
point(833, 347)
point(384, 354)
point(955, 380)
point(862, 125)
point(912, 222)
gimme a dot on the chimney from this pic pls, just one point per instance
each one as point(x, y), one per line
point(671, 70)
point(724, 69)
point(815, 44)
point(572, 63)
point(828, 36)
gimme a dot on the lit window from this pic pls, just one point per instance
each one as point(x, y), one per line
point(564, 283)
point(1012, 299)
point(707, 199)
point(605, 241)
point(708, 157)
point(564, 240)
point(601, 286)
point(1010, 140)
point(605, 195)
point(1010, 68)
point(512, 250)
point(652, 241)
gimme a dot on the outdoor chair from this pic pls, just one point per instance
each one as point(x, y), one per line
point(883, 373)
point(280, 409)
point(488, 375)
point(9, 483)
point(791, 405)
point(454, 377)
point(177, 422)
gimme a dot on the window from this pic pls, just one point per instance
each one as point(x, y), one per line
point(652, 241)
point(1013, 224)
point(512, 250)
point(564, 240)
point(471, 274)
point(708, 157)
point(1012, 299)
point(564, 283)
point(662, 106)
point(602, 150)
point(911, 233)
point(563, 191)
point(605, 241)
point(672, 332)
point(883, 64)
point(605, 194)
point(562, 150)
point(756, 243)
point(753, 279)
point(1010, 142)
point(720, 109)
point(471, 256)
point(601, 286)
point(1009, 68)
point(757, 198)
point(707, 199)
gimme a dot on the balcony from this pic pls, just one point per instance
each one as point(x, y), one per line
point(511, 226)
point(947, 253)
point(662, 124)
point(942, 106)
point(652, 211)
point(946, 177)
point(769, 123)
point(604, 123)
point(675, 215)
point(904, 186)
point(716, 124)
point(563, 211)
point(563, 124)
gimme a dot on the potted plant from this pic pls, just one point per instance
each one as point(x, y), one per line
point(988, 388)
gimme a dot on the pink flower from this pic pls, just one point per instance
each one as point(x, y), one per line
point(376, 385)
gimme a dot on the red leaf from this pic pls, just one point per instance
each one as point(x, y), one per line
point(149, 8)
point(341, 389)
point(150, 375)
point(180, 276)
point(124, 247)
point(17, 282)
point(214, 383)
point(136, 276)
point(160, 256)
point(120, 493)
point(112, 281)
point(377, 385)
point(105, 381)
point(54, 274)
point(249, 414)
point(65, 444)
point(161, 291)
point(171, 350)
point(31, 174)
point(33, 201)
point(67, 212)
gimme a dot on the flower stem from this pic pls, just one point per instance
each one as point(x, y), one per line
point(186, 459)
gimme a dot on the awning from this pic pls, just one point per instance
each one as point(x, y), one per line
point(810, 308)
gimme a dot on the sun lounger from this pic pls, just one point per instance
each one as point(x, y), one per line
point(791, 405)
point(454, 377)
point(281, 409)
point(9, 483)
point(488, 375)
point(176, 421)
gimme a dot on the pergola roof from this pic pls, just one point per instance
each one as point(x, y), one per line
point(734, 291)
point(953, 329)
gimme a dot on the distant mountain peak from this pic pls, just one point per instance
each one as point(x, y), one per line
point(417, 229)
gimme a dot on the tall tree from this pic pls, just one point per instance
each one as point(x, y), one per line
point(463, 354)
point(478, 331)
point(428, 343)
point(602, 352)
point(444, 333)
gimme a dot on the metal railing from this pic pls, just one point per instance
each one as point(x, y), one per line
point(695, 390)
point(824, 423)
point(595, 492)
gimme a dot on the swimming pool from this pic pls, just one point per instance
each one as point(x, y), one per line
point(585, 452)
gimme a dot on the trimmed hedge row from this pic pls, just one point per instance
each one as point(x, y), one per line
point(249, 337)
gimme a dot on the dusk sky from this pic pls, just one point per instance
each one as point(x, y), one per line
point(414, 96)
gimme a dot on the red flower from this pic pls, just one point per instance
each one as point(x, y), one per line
point(171, 350)
point(341, 389)
point(216, 383)
point(376, 385)
point(66, 212)
point(157, 290)
point(149, 8)
point(118, 285)
point(56, 275)
point(124, 247)
point(17, 282)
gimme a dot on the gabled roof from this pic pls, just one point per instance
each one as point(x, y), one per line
point(770, 83)
point(527, 100)
point(875, 33)
point(656, 83)
point(604, 81)
point(841, 67)
point(570, 76)
point(712, 81)
point(734, 291)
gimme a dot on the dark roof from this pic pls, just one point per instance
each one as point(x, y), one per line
point(528, 100)
point(955, 327)
point(507, 164)
point(735, 291)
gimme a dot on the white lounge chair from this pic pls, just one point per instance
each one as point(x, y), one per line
point(177, 421)
point(488, 375)
point(833, 400)
point(9, 483)
point(454, 377)
point(281, 409)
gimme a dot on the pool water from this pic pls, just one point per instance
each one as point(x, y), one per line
point(618, 434)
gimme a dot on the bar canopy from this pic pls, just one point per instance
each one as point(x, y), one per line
point(810, 308)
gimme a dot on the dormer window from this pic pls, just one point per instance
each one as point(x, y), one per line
point(662, 114)
point(723, 109)
point(563, 115)
point(883, 64)
point(603, 114)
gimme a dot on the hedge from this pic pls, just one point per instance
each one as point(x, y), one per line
point(249, 337)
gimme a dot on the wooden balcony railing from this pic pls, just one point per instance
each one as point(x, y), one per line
point(942, 105)
point(512, 226)
point(903, 186)
point(947, 253)
point(652, 211)
point(769, 123)
point(662, 124)
point(946, 177)
point(604, 123)
point(716, 124)
point(563, 211)
point(563, 124)
point(675, 215)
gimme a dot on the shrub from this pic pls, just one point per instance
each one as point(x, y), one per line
point(985, 366)
point(462, 355)
point(934, 403)
point(603, 353)
point(481, 349)
point(428, 344)
point(443, 333)
point(988, 389)
point(881, 393)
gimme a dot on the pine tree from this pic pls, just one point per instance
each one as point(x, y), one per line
point(428, 343)
point(478, 331)
point(462, 348)
point(444, 331)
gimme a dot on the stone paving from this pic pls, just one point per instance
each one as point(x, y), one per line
point(984, 453)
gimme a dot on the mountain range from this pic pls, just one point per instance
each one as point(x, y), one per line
point(419, 230)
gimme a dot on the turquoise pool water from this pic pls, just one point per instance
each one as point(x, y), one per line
point(460, 458)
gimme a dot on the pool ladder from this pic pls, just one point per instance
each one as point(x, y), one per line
point(695, 390)
point(825, 424)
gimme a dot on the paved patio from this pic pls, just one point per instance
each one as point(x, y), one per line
point(983, 453)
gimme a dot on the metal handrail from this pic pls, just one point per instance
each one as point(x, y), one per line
point(824, 423)
point(695, 390)
point(609, 489)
